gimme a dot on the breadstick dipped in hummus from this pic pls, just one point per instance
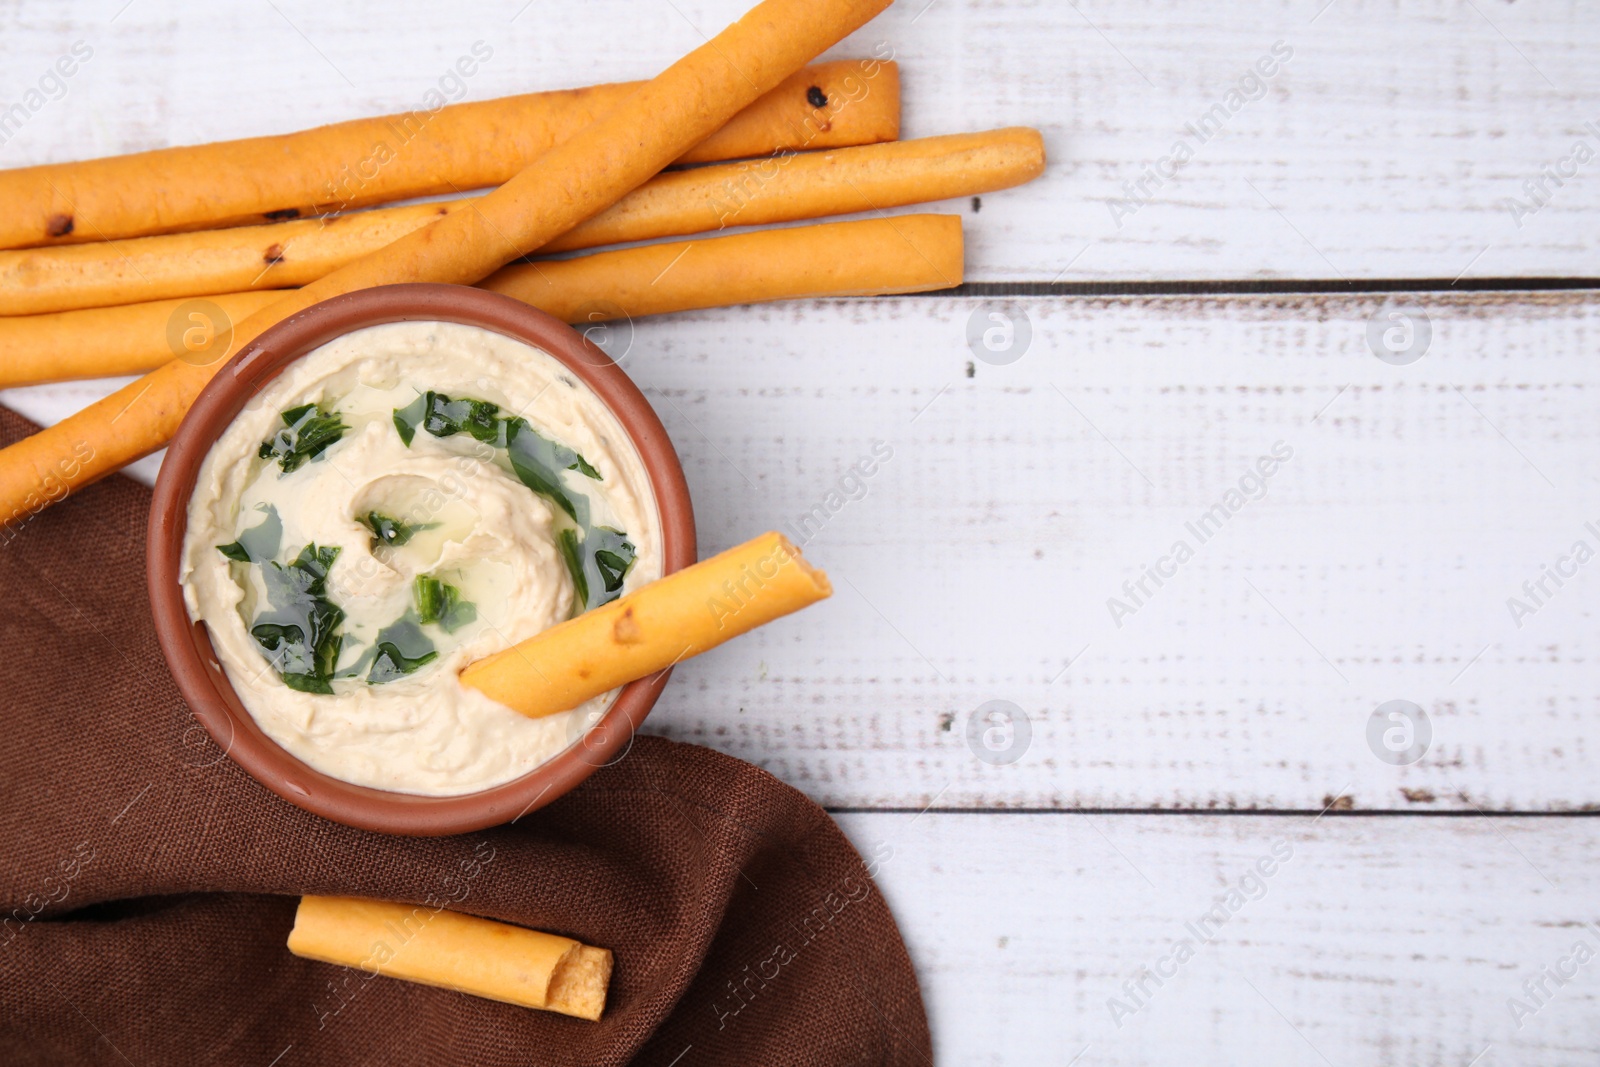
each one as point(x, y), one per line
point(905, 254)
point(435, 149)
point(669, 620)
point(571, 182)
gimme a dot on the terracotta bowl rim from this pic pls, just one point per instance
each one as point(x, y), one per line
point(187, 645)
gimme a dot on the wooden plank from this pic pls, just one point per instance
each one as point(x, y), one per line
point(980, 563)
point(1384, 941)
point(977, 562)
point(1389, 141)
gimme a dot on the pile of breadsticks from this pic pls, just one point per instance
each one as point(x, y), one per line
point(163, 263)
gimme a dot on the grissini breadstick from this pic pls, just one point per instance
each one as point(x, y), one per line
point(652, 628)
point(437, 149)
point(809, 185)
point(785, 189)
point(442, 948)
point(904, 254)
point(859, 104)
point(104, 342)
point(286, 255)
point(567, 184)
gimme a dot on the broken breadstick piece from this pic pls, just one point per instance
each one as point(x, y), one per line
point(441, 948)
point(652, 628)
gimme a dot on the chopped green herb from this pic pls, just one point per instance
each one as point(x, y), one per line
point(613, 562)
point(573, 556)
point(544, 481)
point(308, 431)
point(479, 418)
point(610, 556)
point(362, 662)
point(598, 557)
point(538, 462)
point(402, 648)
point(458, 616)
point(536, 459)
point(442, 416)
point(598, 565)
point(300, 633)
point(441, 602)
point(429, 595)
point(392, 532)
point(259, 543)
point(406, 419)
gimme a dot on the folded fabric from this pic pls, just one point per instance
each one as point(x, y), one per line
point(148, 885)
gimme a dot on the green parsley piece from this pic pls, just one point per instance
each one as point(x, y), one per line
point(308, 431)
point(598, 564)
point(300, 631)
point(259, 543)
point(440, 602)
point(402, 648)
point(390, 531)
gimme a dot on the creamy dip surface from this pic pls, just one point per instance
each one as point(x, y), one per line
point(346, 576)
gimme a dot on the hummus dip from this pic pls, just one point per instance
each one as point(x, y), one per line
point(402, 501)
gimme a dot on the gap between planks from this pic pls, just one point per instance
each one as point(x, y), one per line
point(1249, 286)
point(1259, 813)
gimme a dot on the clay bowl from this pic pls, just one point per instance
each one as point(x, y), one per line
point(187, 645)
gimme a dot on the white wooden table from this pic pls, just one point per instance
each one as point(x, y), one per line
point(1371, 198)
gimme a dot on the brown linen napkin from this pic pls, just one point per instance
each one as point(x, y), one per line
point(149, 884)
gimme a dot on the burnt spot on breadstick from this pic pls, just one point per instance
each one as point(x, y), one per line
point(282, 214)
point(816, 97)
point(59, 225)
point(273, 255)
point(626, 631)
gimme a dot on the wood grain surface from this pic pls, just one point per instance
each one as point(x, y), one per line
point(1392, 940)
point(1390, 139)
point(1039, 778)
